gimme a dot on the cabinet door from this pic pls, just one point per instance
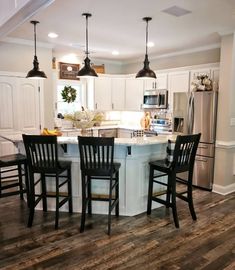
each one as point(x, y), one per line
point(103, 96)
point(159, 83)
point(134, 94)
point(118, 94)
point(29, 107)
point(162, 81)
point(177, 82)
point(150, 84)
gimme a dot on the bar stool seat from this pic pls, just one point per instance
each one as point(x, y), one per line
point(8, 181)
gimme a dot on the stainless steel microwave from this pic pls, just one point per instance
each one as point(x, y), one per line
point(155, 99)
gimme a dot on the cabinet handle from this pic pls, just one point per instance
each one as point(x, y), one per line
point(141, 106)
point(96, 106)
point(201, 159)
point(112, 106)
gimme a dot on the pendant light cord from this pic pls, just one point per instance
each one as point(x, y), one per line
point(35, 53)
point(146, 36)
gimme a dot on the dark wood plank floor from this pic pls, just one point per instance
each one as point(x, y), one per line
point(140, 242)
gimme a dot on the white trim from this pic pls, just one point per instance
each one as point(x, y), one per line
point(225, 144)
point(27, 42)
point(13, 74)
point(223, 190)
point(180, 52)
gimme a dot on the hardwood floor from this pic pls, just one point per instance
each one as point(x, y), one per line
point(140, 242)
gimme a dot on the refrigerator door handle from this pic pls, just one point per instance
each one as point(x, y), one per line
point(192, 116)
point(189, 114)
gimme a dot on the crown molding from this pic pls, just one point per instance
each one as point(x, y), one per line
point(26, 42)
point(176, 53)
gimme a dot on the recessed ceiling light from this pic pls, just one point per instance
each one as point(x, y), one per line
point(52, 35)
point(115, 52)
point(150, 44)
point(176, 11)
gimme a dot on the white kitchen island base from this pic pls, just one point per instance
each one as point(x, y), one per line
point(134, 155)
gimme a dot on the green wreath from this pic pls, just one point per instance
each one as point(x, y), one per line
point(69, 94)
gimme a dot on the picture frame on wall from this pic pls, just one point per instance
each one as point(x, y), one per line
point(68, 71)
point(99, 68)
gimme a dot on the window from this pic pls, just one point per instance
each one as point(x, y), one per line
point(64, 107)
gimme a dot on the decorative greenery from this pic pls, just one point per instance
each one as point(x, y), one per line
point(69, 94)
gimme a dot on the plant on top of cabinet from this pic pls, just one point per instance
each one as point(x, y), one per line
point(69, 94)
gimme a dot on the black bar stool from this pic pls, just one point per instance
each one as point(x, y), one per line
point(181, 159)
point(96, 157)
point(42, 155)
point(11, 175)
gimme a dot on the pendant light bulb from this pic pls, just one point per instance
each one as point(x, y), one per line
point(87, 71)
point(35, 73)
point(146, 72)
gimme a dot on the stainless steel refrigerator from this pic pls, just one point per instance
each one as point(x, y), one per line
point(194, 113)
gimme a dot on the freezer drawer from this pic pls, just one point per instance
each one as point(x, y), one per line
point(205, 149)
point(203, 172)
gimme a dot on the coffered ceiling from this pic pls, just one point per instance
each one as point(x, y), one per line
point(117, 25)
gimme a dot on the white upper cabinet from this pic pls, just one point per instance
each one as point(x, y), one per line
point(159, 83)
point(177, 82)
point(118, 94)
point(103, 94)
point(109, 93)
point(134, 94)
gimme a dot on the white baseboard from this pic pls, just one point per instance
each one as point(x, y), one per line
point(223, 190)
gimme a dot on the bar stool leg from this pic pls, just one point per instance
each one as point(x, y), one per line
point(0, 183)
point(20, 182)
point(110, 205)
point(150, 191)
point(31, 200)
point(190, 202)
point(26, 173)
point(172, 183)
point(44, 191)
point(168, 193)
point(83, 217)
point(57, 202)
point(117, 194)
point(70, 191)
point(89, 195)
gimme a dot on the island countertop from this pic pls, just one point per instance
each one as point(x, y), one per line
point(138, 141)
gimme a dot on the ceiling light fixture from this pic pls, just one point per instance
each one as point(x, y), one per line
point(146, 72)
point(35, 73)
point(87, 70)
point(52, 35)
point(115, 52)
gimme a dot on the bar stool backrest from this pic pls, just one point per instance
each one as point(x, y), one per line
point(96, 155)
point(185, 152)
point(42, 153)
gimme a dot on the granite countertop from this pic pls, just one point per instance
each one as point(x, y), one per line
point(118, 141)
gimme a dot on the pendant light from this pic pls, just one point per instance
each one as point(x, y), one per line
point(87, 70)
point(146, 72)
point(35, 73)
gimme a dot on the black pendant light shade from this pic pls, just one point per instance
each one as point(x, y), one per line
point(87, 70)
point(146, 72)
point(35, 73)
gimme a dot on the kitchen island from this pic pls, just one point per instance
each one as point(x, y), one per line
point(134, 155)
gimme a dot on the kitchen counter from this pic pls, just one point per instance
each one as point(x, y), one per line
point(134, 154)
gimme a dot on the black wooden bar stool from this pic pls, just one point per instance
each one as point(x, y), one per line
point(12, 170)
point(42, 155)
point(179, 160)
point(96, 157)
